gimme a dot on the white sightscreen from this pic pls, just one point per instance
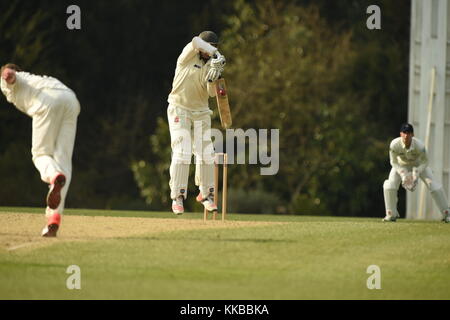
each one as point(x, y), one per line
point(430, 48)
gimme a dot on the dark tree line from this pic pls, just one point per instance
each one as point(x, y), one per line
point(121, 64)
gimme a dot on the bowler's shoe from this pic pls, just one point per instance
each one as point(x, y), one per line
point(54, 194)
point(52, 226)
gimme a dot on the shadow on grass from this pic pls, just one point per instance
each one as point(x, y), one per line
point(218, 239)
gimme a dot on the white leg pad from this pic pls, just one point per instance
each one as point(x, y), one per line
point(204, 178)
point(390, 200)
point(179, 175)
point(440, 199)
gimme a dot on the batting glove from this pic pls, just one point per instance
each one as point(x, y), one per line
point(218, 61)
point(213, 74)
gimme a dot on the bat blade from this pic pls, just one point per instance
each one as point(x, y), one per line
point(223, 104)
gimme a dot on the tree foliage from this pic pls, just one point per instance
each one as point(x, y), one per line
point(288, 69)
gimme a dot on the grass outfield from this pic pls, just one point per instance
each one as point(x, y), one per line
point(151, 255)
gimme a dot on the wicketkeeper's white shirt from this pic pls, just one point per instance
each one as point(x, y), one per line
point(190, 90)
point(402, 157)
point(24, 93)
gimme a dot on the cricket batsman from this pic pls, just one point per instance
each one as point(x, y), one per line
point(199, 65)
point(54, 110)
point(409, 162)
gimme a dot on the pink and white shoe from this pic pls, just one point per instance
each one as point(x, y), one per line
point(177, 205)
point(52, 226)
point(207, 202)
point(54, 194)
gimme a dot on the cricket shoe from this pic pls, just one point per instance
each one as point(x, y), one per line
point(207, 202)
point(52, 226)
point(390, 217)
point(54, 194)
point(177, 205)
point(446, 218)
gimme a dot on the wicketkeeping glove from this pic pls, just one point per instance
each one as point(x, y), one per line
point(415, 181)
point(415, 173)
point(409, 182)
point(415, 177)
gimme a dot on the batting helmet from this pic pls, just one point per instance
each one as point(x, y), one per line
point(210, 37)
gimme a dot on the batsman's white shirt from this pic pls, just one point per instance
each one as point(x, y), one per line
point(190, 90)
point(406, 158)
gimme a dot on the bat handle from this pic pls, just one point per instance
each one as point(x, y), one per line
point(220, 77)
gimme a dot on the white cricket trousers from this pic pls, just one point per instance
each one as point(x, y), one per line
point(392, 184)
point(53, 137)
point(190, 134)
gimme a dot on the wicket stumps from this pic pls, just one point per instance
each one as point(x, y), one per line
point(216, 186)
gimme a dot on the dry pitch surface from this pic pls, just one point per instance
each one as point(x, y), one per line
point(22, 230)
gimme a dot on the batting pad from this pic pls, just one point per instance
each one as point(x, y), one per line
point(179, 175)
point(390, 200)
point(204, 178)
point(440, 199)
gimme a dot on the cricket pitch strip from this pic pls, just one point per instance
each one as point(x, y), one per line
point(22, 230)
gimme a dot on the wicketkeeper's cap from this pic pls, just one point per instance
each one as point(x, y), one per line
point(406, 127)
point(210, 37)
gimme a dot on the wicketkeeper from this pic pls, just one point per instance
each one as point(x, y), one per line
point(409, 162)
point(54, 109)
point(198, 67)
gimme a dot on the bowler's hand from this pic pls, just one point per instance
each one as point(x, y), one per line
point(9, 75)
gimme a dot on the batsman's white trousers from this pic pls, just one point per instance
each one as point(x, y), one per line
point(392, 185)
point(190, 133)
point(53, 137)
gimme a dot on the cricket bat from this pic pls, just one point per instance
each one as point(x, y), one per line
point(223, 104)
